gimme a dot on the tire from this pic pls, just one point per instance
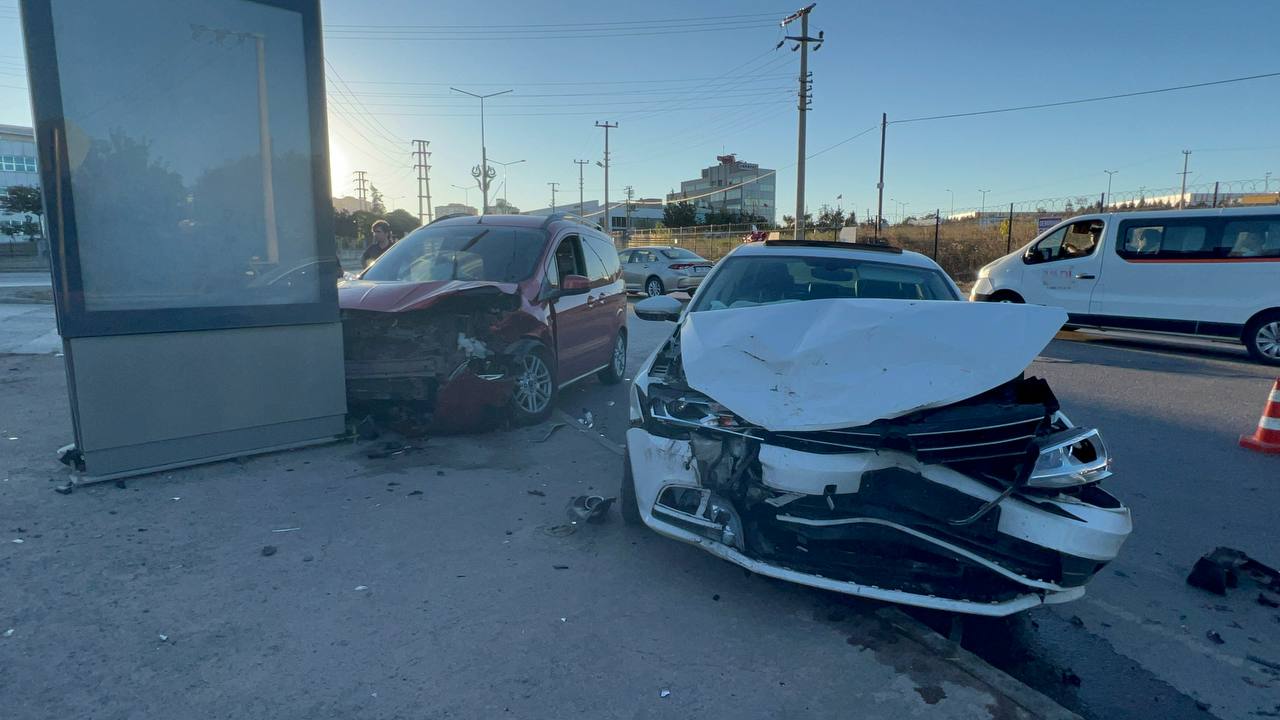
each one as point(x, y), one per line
point(1007, 296)
point(1262, 337)
point(653, 286)
point(627, 505)
point(617, 369)
point(535, 392)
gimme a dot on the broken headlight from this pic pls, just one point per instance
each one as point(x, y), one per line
point(1075, 456)
point(693, 410)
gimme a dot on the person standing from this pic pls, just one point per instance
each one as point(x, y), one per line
point(381, 232)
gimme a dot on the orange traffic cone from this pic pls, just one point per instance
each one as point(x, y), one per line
point(1267, 437)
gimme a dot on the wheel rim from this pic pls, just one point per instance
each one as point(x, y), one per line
point(620, 356)
point(533, 388)
point(1268, 340)
point(654, 288)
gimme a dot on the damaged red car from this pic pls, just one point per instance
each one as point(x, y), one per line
point(470, 321)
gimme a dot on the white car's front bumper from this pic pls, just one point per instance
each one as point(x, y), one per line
point(1082, 536)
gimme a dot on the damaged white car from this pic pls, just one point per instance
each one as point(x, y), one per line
point(834, 415)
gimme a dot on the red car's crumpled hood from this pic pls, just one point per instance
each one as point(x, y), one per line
point(387, 296)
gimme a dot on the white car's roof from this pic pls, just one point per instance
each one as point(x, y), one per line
point(832, 250)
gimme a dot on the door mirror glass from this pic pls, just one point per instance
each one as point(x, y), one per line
point(574, 285)
point(659, 307)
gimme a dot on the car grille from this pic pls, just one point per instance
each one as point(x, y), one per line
point(947, 436)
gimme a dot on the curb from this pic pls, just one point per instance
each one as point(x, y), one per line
point(1020, 694)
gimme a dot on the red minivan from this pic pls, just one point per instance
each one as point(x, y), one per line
point(471, 320)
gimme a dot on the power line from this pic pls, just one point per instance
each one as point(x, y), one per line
point(389, 135)
point(761, 15)
point(491, 37)
point(666, 80)
point(587, 112)
point(1117, 96)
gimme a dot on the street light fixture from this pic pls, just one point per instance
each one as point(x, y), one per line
point(1110, 174)
point(483, 173)
point(505, 185)
point(466, 193)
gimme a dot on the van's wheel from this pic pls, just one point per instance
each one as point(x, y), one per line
point(653, 286)
point(617, 369)
point(535, 390)
point(1262, 337)
point(1007, 296)
point(627, 504)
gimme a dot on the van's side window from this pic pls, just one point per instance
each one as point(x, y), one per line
point(1252, 238)
point(1207, 239)
point(1076, 240)
point(1164, 241)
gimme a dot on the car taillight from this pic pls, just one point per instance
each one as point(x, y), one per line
point(681, 266)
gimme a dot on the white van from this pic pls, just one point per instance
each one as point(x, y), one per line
point(1207, 273)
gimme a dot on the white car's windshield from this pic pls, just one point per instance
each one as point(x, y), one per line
point(461, 252)
point(760, 280)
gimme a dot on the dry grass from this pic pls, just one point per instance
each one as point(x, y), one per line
point(963, 247)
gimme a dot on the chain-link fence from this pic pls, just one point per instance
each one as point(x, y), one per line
point(969, 238)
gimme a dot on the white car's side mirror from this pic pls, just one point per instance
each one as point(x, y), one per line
point(658, 307)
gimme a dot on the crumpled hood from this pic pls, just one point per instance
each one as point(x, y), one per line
point(829, 364)
point(387, 296)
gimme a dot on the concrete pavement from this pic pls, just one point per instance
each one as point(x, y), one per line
point(1171, 413)
point(436, 583)
point(28, 329)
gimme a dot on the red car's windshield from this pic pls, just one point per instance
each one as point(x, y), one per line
point(461, 252)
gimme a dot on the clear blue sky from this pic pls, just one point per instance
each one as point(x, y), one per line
point(683, 97)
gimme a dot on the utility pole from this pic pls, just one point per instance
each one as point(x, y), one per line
point(361, 180)
point(554, 186)
point(953, 204)
point(1107, 198)
point(420, 156)
point(884, 127)
point(805, 99)
point(630, 195)
point(1182, 199)
point(580, 163)
point(482, 172)
point(606, 125)
point(1266, 180)
point(937, 221)
point(984, 205)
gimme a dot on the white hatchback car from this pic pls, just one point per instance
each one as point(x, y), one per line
point(834, 415)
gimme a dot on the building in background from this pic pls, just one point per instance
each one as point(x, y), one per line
point(731, 187)
point(643, 213)
point(455, 209)
point(17, 167)
point(349, 204)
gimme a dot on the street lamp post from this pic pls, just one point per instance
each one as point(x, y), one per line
point(466, 193)
point(953, 203)
point(1110, 174)
point(482, 172)
point(506, 185)
point(984, 205)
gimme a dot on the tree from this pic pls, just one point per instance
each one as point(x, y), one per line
point(344, 225)
point(376, 206)
point(402, 222)
point(830, 218)
point(681, 214)
point(22, 200)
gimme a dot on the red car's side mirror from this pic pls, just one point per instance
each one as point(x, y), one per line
point(574, 285)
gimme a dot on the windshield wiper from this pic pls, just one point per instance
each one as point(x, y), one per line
point(470, 244)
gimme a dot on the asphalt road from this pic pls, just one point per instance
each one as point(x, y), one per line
point(1141, 643)
point(24, 279)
